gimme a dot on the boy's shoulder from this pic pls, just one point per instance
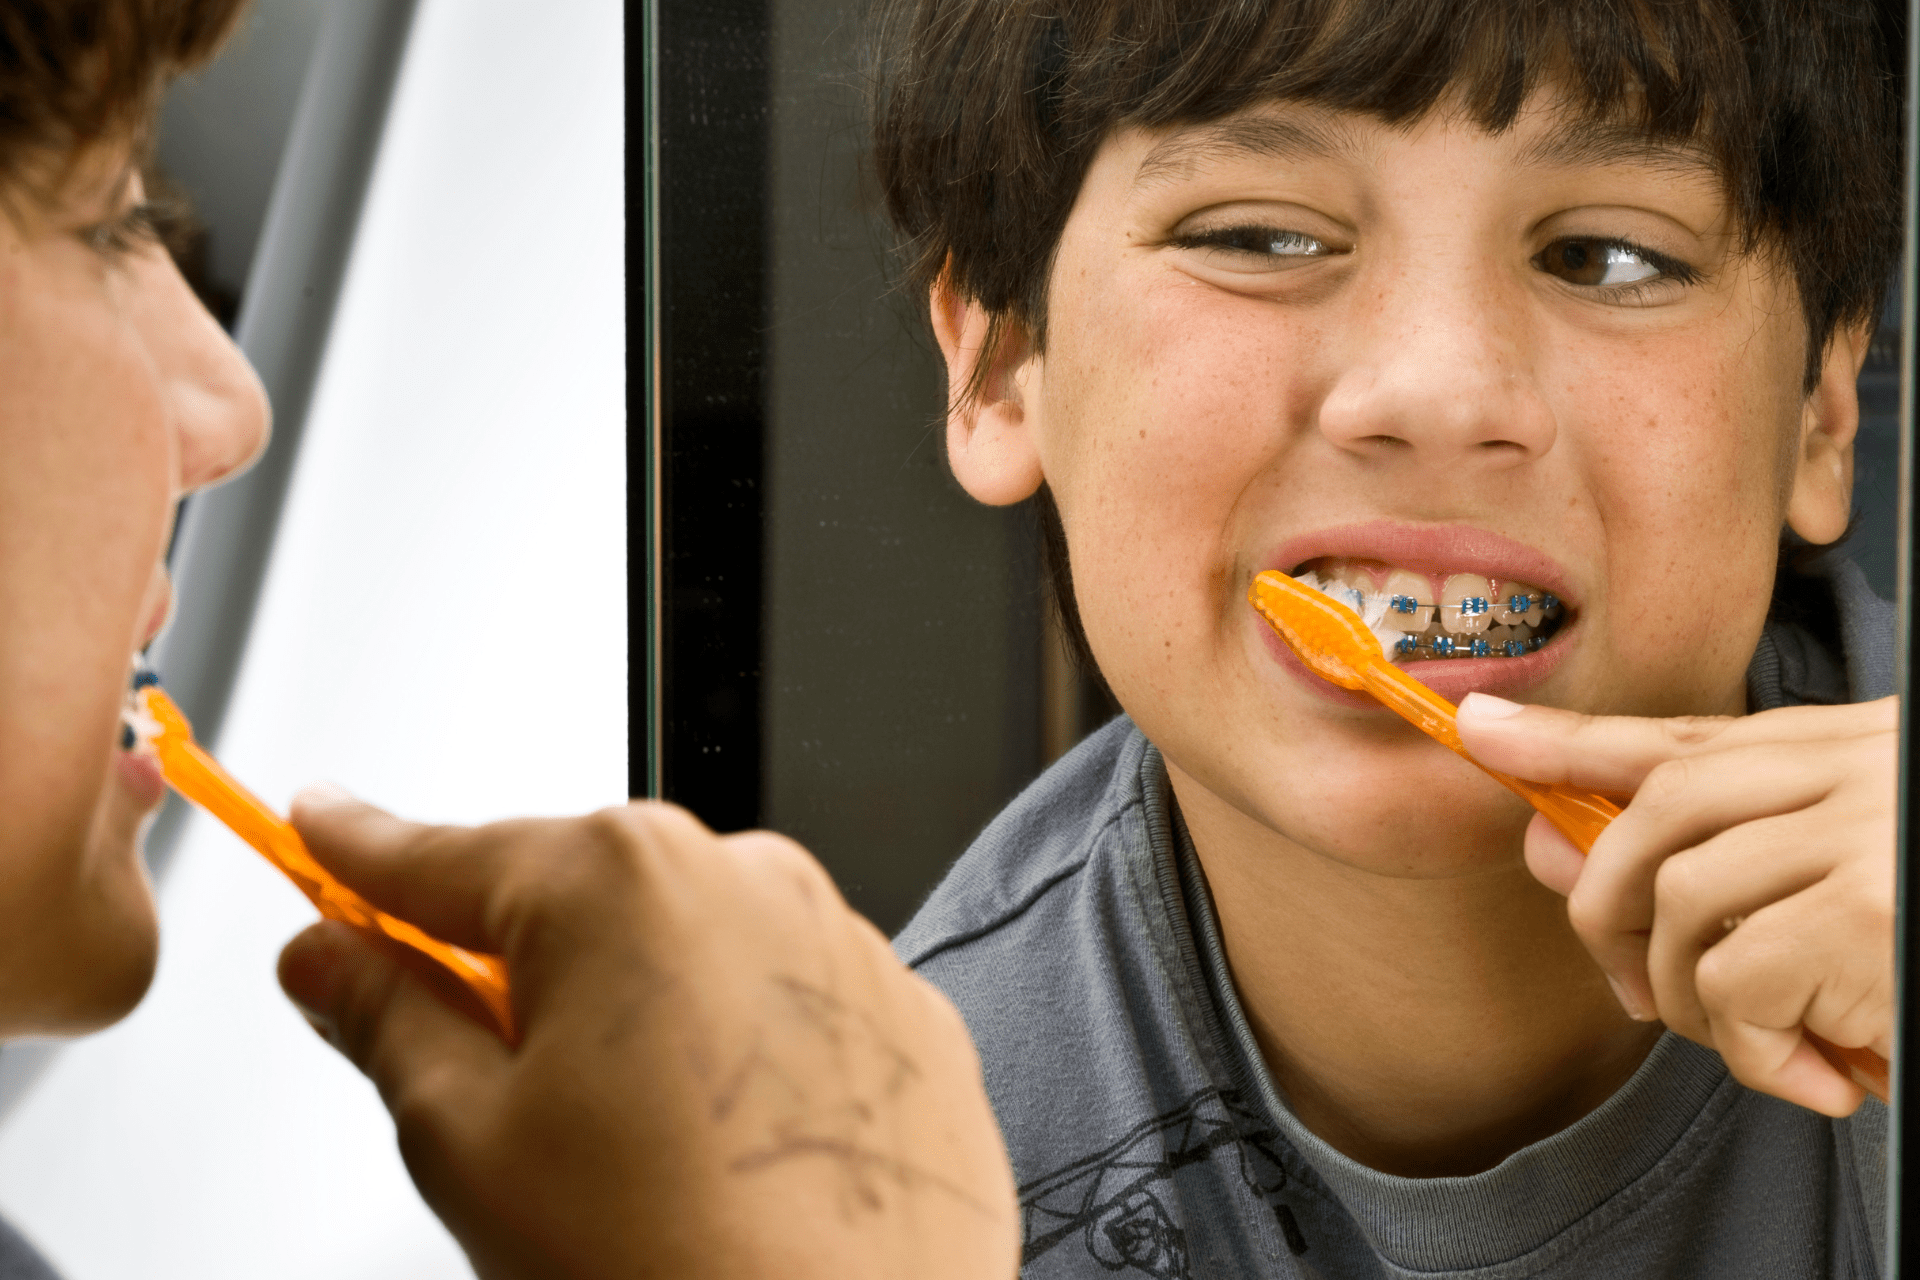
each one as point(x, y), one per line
point(1038, 846)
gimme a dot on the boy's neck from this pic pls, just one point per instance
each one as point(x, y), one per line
point(1422, 1027)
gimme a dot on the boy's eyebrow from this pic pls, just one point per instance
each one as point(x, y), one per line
point(1598, 142)
point(1578, 143)
point(1176, 156)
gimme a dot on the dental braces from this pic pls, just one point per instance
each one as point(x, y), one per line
point(1380, 611)
point(1466, 647)
point(1470, 606)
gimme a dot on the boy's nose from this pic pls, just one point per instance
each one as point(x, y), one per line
point(217, 407)
point(1441, 379)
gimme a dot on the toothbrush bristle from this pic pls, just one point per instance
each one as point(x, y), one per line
point(1329, 637)
point(138, 724)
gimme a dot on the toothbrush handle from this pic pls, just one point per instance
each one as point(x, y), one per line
point(1580, 815)
point(201, 779)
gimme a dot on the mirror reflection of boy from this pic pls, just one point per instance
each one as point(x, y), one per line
point(1572, 296)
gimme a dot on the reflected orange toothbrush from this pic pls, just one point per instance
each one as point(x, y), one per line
point(1336, 645)
point(200, 778)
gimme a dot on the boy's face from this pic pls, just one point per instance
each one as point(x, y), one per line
point(118, 394)
point(1298, 337)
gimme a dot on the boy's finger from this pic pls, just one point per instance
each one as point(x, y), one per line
point(1765, 985)
point(1614, 754)
point(1702, 893)
point(1684, 805)
point(1611, 754)
point(439, 878)
point(1785, 1065)
point(1554, 860)
point(432, 1065)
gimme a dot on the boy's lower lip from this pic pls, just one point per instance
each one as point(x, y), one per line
point(140, 775)
point(1451, 678)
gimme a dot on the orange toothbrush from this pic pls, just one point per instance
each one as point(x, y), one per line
point(1335, 644)
point(201, 779)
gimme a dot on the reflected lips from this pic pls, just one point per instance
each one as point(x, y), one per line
point(1437, 550)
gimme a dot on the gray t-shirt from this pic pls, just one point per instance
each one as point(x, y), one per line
point(1079, 941)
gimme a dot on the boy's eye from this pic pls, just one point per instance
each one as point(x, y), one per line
point(140, 225)
point(1607, 264)
point(1254, 246)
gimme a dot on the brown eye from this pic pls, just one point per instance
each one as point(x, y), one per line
point(1598, 263)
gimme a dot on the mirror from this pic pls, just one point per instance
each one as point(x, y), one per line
point(846, 648)
point(851, 650)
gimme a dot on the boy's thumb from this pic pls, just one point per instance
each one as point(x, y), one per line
point(1608, 754)
point(439, 878)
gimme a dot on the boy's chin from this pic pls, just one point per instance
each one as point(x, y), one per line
point(1420, 814)
point(85, 989)
point(91, 958)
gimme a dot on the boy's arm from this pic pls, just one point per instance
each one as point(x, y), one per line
point(722, 1071)
point(1747, 892)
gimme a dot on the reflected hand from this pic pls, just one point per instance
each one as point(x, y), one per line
point(1747, 893)
point(723, 1070)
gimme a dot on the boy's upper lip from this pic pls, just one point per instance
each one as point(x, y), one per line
point(1428, 548)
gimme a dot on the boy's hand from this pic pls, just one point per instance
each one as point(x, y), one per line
point(723, 1070)
point(1747, 892)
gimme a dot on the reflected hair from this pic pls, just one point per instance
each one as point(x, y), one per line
point(987, 112)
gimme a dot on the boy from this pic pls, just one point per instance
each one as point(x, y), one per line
point(721, 1070)
point(1456, 303)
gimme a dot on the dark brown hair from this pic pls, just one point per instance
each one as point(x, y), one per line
point(74, 72)
point(988, 112)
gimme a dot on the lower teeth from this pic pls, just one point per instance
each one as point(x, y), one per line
point(1429, 645)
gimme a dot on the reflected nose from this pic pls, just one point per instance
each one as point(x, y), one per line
point(214, 400)
point(1441, 378)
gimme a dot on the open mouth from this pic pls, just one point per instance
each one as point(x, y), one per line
point(1424, 616)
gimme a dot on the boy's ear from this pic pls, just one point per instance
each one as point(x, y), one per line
point(990, 442)
point(1822, 500)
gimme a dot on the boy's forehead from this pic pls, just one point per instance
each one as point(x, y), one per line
point(1546, 135)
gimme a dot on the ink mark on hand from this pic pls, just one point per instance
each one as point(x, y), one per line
point(819, 1078)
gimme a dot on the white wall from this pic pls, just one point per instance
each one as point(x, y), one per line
point(443, 630)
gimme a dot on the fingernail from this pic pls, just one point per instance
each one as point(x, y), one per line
point(1487, 707)
point(1627, 1002)
point(325, 795)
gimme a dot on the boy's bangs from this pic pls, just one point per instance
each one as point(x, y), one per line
point(73, 72)
point(1672, 69)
